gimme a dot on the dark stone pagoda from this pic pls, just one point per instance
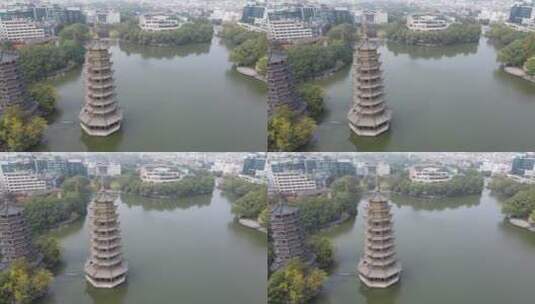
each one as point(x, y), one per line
point(369, 114)
point(15, 236)
point(106, 267)
point(101, 115)
point(13, 91)
point(281, 84)
point(288, 235)
point(379, 266)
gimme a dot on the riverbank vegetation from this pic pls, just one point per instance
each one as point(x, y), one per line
point(456, 33)
point(289, 131)
point(296, 283)
point(198, 31)
point(516, 48)
point(467, 183)
point(22, 283)
point(249, 200)
point(520, 198)
point(44, 212)
point(198, 184)
point(323, 250)
point(321, 211)
point(20, 131)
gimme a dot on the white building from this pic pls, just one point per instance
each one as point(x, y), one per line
point(293, 183)
point(104, 169)
point(22, 182)
point(383, 169)
point(20, 30)
point(429, 174)
point(289, 30)
point(428, 23)
point(371, 17)
point(159, 174)
point(158, 23)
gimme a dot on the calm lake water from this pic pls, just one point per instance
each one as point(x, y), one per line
point(452, 251)
point(189, 252)
point(174, 99)
point(443, 99)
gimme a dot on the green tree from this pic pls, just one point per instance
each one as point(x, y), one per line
point(50, 249)
point(314, 96)
point(295, 284)
point(249, 52)
point(261, 66)
point(521, 205)
point(514, 54)
point(530, 66)
point(251, 204)
point(323, 250)
point(18, 131)
point(45, 95)
point(22, 284)
point(343, 32)
point(79, 33)
point(288, 131)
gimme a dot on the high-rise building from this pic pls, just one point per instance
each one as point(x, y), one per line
point(15, 237)
point(288, 235)
point(101, 115)
point(13, 90)
point(252, 11)
point(106, 267)
point(379, 266)
point(369, 114)
point(252, 164)
point(523, 163)
point(521, 12)
point(20, 30)
point(281, 84)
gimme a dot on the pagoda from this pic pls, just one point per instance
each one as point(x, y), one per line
point(106, 267)
point(281, 84)
point(369, 114)
point(13, 91)
point(378, 266)
point(101, 114)
point(288, 235)
point(15, 237)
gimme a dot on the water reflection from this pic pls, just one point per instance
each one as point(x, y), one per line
point(435, 204)
point(422, 52)
point(103, 295)
point(380, 296)
point(163, 52)
point(165, 204)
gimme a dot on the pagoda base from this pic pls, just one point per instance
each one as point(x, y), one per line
point(100, 133)
point(111, 284)
point(369, 133)
point(378, 284)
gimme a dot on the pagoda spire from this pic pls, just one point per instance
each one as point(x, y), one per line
point(369, 115)
point(379, 266)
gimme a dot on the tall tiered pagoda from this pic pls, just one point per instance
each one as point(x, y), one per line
point(281, 84)
point(378, 266)
point(13, 91)
point(106, 267)
point(101, 114)
point(369, 114)
point(288, 235)
point(15, 237)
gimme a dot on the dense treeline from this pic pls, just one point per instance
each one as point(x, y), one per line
point(201, 183)
point(199, 31)
point(320, 211)
point(520, 201)
point(44, 212)
point(469, 183)
point(517, 48)
point(249, 199)
point(503, 35)
point(295, 284)
point(22, 283)
point(454, 34)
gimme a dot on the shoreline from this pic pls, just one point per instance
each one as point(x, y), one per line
point(519, 73)
point(521, 223)
point(251, 224)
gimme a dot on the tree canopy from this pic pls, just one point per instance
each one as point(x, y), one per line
point(521, 205)
point(295, 284)
point(45, 95)
point(199, 31)
point(455, 34)
point(19, 131)
point(314, 96)
point(201, 183)
point(469, 183)
point(287, 131)
point(22, 283)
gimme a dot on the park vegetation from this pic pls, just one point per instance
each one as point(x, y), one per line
point(456, 33)
point(468, 183)
point(198, 31)
point(323, 250)
point(517, 49)
point(22, 283)
point(199, 184)
point(289, 131)
point(520, 198)
point(314, 96)
point(318, 212)
point(249, 200)
point(296, 283)
point(44, 212)
point(20, 131)
point(45, 95)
